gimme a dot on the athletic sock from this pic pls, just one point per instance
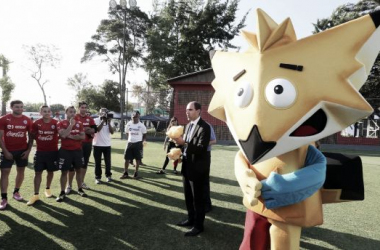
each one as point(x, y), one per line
point(62, 193)
point(16, 190)
point(4, 196)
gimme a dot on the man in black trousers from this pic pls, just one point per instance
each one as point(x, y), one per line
point(195, 167)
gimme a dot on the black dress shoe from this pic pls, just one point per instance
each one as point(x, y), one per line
point(185, 223)
point(194, 232)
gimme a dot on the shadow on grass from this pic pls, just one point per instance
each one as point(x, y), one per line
point(145, 222)
point(337, 240)
point(10, 240)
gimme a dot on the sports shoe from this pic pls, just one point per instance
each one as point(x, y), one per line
point(61, 197)
point(68, 190)
point(3, 204)
point(98, 181)
point(135, 175)
point(175, 172)
point(17, 196)
point(84, 186)
point(33, 200)
point(48, 193)
point(109, 179)
point(82, 193)
point(124, 176)
point(160, 172)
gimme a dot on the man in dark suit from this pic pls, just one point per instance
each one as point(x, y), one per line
point(195, 167)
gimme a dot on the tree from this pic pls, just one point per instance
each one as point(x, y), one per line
point(41, 57)
point(119, 40)
point(7, 86)
point(106, 95)
point(56, 108)
point(147, 98)
point(182, 33)
point(109, 91)
point(32, 107)
point(78, 83)
point(345, 13)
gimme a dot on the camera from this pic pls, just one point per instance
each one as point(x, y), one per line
point(106, 116)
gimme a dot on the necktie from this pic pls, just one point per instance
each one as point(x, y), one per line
point(188, 137)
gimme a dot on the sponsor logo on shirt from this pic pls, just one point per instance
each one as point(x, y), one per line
point(45, 138)
point(15, 134)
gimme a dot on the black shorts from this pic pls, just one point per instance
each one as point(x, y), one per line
point(5, 163)
point(46, 160)
point(134, 151)
point(68, 160)
point(86, 148)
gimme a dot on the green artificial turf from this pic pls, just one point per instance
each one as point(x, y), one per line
point(142, 214)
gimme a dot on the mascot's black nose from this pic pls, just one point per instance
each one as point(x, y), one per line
point(254, 147)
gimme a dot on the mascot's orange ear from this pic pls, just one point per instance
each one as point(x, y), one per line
point(216, 107)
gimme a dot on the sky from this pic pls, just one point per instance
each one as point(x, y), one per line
point(69, 24)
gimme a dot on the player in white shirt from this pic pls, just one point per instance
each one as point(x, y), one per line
point(136, 132)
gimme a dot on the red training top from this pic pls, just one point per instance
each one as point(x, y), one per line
point(46, 135)
point(67, 143)
point(15, 129)
point(87, 121)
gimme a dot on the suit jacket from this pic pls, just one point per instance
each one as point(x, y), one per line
point(197, 163)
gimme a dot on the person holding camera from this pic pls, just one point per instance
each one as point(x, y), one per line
point(102, 144)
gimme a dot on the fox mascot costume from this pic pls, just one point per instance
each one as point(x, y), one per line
point(279, 97)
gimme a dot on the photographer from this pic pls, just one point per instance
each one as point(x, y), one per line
point(102, 144)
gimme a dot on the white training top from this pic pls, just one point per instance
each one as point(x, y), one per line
point(135, 131)
point(103, 137)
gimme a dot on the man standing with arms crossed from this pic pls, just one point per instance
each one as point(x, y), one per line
point(89, 129)
point(15, 148)
point(195, 167)
point(70, 154)
point(102, 145)
point(45, 132)
point(136, 132)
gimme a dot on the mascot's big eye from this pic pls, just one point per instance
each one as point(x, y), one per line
point(280, 93)
point(243, 95)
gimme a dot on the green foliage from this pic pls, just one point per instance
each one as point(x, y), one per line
point(110, 94)
point(345, 13)
point(182, 33)
point(6, 84)
point(107, 95)
point(32, 107)
point(57, 108)
point(108, 42)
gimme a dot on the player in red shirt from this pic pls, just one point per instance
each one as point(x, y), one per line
point(70, 154)
point(45, 132)
point(15, 148)
point(89, 127)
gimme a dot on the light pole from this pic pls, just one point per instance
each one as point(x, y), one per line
point(123, 7)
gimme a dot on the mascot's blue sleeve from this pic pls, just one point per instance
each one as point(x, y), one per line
point(282, 190)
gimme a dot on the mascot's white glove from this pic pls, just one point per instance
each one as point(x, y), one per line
point(248, 182)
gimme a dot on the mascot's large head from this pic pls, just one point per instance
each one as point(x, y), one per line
point(283, 93)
